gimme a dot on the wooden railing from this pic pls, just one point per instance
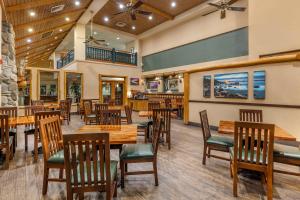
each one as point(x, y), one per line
point(65, 60)
point(111, 55)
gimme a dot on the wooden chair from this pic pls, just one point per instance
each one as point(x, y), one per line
point(100, 106)
point(168, 103)
point(288, 155)
point(110, 117)
point(37, 117)
point(51, 136)
point(64, 107)
point(29, 128)
point(216, 143)
point(253, 150)
point(6, 141)
point(92, 171)
point(141, 153)
point(128, 112)
point(89, 116)
point(251, 115)
point(11, 112)
point(165, 114)
point(80, 108)
point(69, 99)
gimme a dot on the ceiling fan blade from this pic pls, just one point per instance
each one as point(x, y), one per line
point(240, 9)
point(223, 14)
point(144, 12)
point(137, 4)
point(215, 5)
point(231, 2)
point(119, 13)
point(133, 17)
point(87, 41)
point(100, 40)
point(210, 12)
point(96, 42)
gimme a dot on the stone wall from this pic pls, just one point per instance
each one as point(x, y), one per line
point(8, 77)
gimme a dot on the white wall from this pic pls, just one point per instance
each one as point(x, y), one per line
point(282, 87)
point(273, 26)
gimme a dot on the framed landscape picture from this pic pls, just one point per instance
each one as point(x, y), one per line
point(134, 81)
point(173, 85)
point(207, 86)
point(259, 84)
point(153, 85)
point(234, 85)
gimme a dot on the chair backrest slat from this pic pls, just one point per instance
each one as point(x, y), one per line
point(4, 131)
point(110, 117)
point(100, 106)
point(128, 112)
point(91, 171)
point(247, 115)
point(205, 125)
point(165, 114)
point(87, 106)
point(248, 139)
point(11, 112)
point(157, 128)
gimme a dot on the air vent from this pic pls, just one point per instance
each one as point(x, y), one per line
point(47, 34)
point(56, 9)
point(121, 24)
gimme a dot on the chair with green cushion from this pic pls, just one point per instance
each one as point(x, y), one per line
point(286, 154)
point(88, 165)
point(141, 153)
point(51, 136)
point(216, 143)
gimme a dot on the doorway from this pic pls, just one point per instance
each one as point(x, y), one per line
point(113, 90)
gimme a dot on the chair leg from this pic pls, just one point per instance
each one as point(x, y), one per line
point(122, 165)
point(26, 142)
point(155, 172)
point(7, 155)
point(61, 173)
point(116, 187)
point(208, 154)
point(126, 167)
point(234, 181)
point(45, 181)
point(270, 186)
point(169, 140)
point(35, 147)
point(204, 154)
point(81, 195)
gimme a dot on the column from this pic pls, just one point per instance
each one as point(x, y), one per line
point(79, 39)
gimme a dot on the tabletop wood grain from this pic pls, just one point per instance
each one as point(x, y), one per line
point(227, 127)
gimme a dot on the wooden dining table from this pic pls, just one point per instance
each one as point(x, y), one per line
point(21, 120)
point(145, 113)
point(118, 134)
point(227, 127)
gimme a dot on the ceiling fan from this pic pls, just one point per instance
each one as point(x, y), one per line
point(132, 9)
point(91, 38)
point(223, 6)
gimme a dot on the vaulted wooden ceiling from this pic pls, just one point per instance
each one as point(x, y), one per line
point(162, 11)
point(37, 36)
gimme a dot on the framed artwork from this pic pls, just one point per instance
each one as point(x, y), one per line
point(234, 85)
point(172, 85)
point(259, 85)
point(153, 85)
point(134, 81)
point(207, 86)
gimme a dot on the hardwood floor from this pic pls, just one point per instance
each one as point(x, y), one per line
point(181, 174)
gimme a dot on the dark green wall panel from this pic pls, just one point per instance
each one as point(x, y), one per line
point(227, 45)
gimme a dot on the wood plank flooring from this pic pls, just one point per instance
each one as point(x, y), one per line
point(181, 174)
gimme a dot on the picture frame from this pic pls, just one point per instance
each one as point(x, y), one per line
point(134, 81)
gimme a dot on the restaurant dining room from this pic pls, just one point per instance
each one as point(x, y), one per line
point(149, 100)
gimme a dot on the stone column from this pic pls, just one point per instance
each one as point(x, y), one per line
point(8, 77)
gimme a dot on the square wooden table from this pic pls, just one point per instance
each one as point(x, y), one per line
point(227, 127)
point(118, 134)
point(21, 120)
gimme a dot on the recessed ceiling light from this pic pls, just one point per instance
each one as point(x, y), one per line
point(27, 53)
point(48, 49)
point(32, 13)
point(28, 47)
point(173, 4)
point(51, 44)
point(150, 17)
point(133, 27)
point(55, 37)
point(30, 30)
point(29, 40)
point(121, 6)
point(106, 19)
point(95, 33)
point(107, 44)
point(77, 3)
point(60, 30)
point(118, 38)
point(67, 19)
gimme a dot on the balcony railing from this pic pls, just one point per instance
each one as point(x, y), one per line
point(65, 60)
point(111, 55)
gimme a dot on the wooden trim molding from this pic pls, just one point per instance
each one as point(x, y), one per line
point(262, 61)
point(247, 104)
point(186, 79)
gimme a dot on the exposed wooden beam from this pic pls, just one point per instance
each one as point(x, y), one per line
point(36, 59)
point(48, 19)
point(30, 5)
point(37, 47)
point(157, 11)
point(39, 54)
point(59, 36)
point(66, 25)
